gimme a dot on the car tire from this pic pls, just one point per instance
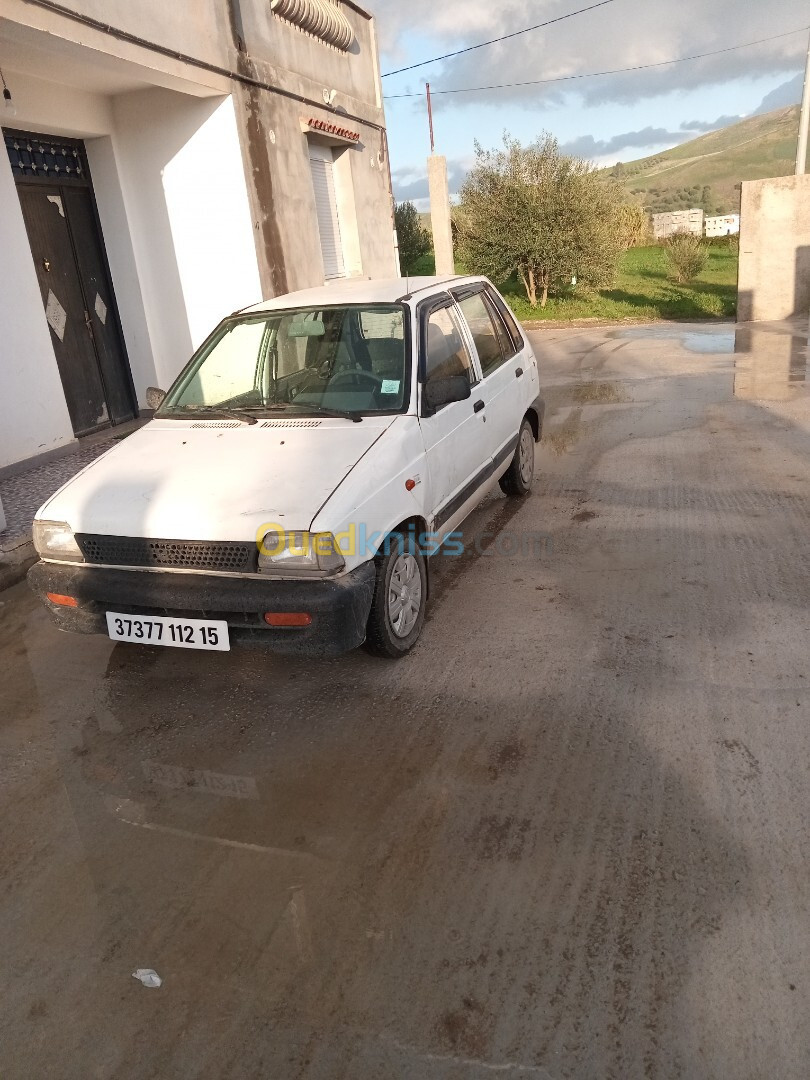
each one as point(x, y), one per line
point(400, 596)
point(517, 480)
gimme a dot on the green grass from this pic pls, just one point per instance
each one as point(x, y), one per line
point(644, 289)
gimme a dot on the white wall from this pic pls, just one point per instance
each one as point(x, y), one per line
point(210, 221)
point(121, 257)
point(33, 413)
point(184, 191)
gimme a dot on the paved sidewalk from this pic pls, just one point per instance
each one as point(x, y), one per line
point(24, 493)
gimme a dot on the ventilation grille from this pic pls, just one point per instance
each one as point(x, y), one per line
point(291, 423)
point(46, 157)
point(209, 424)
point(226, 424)
point(321, 18)
point(178, 554)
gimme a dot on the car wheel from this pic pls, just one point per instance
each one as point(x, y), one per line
point(400, 595)
point(517, 480)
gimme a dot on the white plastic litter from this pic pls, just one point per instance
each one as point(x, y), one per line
point(148, 977)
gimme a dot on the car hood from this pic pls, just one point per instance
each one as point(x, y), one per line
point(214, 480)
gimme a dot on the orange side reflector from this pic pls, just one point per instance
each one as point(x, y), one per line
point(287, 618)
point(63, 601)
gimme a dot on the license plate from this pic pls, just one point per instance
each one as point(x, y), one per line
point(164, 630)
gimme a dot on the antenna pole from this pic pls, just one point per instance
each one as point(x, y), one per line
point(430, 112)
point(804, 121)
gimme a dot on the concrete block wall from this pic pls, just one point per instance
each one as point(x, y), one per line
point(774, 274)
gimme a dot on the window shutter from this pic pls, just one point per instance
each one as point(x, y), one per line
point(323, 183)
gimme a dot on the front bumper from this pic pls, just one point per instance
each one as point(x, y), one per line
point(339, 606)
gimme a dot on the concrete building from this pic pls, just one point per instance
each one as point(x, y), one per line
point(689, 221)
point(724, 225)
point(774, 275)
point(164, 165)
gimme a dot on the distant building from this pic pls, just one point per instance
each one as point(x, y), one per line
point(729, 225)
point(689, 221)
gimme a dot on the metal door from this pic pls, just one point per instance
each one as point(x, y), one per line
point(71, 266)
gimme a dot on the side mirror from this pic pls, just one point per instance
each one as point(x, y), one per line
point(154, 397)
point(442, 391)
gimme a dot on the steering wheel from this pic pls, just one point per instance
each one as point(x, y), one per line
point(352, 377)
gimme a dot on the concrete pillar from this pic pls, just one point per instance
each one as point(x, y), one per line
point(774, 275)
point(440, 215)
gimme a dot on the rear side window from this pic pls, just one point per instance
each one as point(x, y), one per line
point(481, 324)
point(508, 318)
point(504, 340)
point(446, 352)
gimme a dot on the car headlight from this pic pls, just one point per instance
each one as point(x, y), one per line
point(55, 540)
point(296, 551)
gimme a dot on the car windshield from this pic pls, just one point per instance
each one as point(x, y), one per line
point(345, 360)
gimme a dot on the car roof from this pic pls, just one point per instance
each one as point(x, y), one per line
point(362, 291)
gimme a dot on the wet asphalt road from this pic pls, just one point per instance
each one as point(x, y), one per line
point(567, 837)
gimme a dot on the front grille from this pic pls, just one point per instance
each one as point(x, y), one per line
point(225, 556)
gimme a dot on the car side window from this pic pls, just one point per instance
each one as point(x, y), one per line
point(446, 352)
point(504, 340)
point(481, 325)
point(508, 318)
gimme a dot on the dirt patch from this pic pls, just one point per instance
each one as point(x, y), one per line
point(506, 757)
point(598, 393)
point(467, 1029)
point(501, 837)
point(563, 437)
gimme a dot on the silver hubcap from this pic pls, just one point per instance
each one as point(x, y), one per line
point(526, 458)
point(404, 595)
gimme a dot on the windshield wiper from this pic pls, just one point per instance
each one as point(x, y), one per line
point(221, 413)
point(346, 414)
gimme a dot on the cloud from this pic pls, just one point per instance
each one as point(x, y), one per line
point(411, 185)
point(701, 126)
point(622, 34)
point(587, 147)
point(789, 93)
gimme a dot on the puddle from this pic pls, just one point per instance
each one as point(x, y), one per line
point(769, 366)
point(708, 340)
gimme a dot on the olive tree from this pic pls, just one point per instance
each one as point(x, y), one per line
point(414, 240)
point(634, 225)
point(547, 216)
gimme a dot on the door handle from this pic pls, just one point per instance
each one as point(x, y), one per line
point(478, 406)
point(518, 372)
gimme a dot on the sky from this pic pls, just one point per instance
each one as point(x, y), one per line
point(606, 119)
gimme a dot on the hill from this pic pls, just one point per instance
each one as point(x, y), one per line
point(707, 171)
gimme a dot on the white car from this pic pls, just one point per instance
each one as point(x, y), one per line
point(294, 480)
